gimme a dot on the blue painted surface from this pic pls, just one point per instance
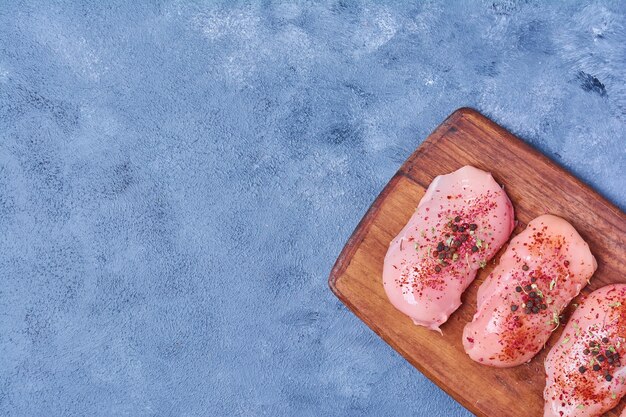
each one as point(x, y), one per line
point(176, 181)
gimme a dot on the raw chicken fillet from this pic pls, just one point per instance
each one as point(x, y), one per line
point(585, 368)
point(460, 223)
point(520, 302)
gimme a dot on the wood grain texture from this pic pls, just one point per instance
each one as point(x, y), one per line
point(536, 185)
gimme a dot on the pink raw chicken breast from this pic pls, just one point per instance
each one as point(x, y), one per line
point(585, 369)
point(460, 223)
point(520, 302)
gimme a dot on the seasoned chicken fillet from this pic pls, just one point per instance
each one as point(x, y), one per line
point(520, 302)
point(460, 223)
point(585, 372)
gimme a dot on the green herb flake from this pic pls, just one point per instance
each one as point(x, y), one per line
point(613, 396)
point(615, 304)
point(449, 241)
point(552, 284)
point(479, 243)
point(580, 406)
point(415, 246)
point(555, 320)
point(565, 341)
point(482, 263)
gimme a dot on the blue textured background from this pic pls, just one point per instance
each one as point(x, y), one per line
point(176, 181)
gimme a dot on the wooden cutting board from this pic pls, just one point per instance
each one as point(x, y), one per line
point(536, 185)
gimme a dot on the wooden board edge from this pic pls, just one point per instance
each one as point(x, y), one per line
point(477, 118)
point(458, 397)
point(343, 260)
point(434, 136)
